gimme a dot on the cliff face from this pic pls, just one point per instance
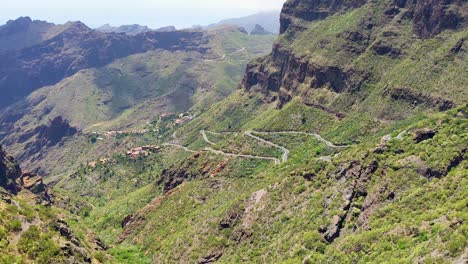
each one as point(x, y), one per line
point(433, 16)
point(348, 58)
point(13, 179)
point(430, 17)
point(10, 172)
point(295, 12)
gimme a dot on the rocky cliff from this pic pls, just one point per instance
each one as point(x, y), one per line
point(10, 172)
point(13, 180)
point(296, 12)
point(352, 55)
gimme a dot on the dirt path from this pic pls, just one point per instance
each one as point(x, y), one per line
point(25, 225)
point(225, 54)
point(317, 136)
point(179, 146)
point(226, 154)
point(284, 157)
point(205, 137)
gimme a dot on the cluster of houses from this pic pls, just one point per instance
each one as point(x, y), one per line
point(183, 119)
point(115, 133)
point(144, 151)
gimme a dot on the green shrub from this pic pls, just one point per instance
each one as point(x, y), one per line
point(313, 241)
point(456, 244)
point(3, 238)
point(39, 247)
point(300, 189)
point(14, 225)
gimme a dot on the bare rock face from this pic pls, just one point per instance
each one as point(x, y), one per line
point(284, 69)
point(13, 179)
point(10, 172)
point(35, 184)
point(259, 30)
point(423, 134)
point(433, 16)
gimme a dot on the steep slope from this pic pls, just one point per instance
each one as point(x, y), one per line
point(367, 62)
point(34, 231)
point(398, 199)
point(357, 73)
point(347, 144)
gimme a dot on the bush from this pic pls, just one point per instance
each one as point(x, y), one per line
point(14, 225)
point(3, 238)
point(456, 244)
point(313, 241)
point(39, 247)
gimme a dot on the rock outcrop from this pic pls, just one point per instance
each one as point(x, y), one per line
point(430, 17)
point(259, 30)
point(10, 172)
point(13, 179)
point(46, 136)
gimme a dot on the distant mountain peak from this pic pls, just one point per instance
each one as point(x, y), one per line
point(22, 20)
point(269, 20)
point(166, 29)
point(127, 29)
point(259, 30)
point(19, 24)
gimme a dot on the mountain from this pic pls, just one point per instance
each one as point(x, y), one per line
point(347, 143)
point(24, 32)
point(115, 81)
point(76, 48)
point(166, 29)
point(132, 29)
point(128, 29)
point(268, 20)
point(259, 30)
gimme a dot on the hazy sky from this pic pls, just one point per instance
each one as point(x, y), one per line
point(154, 13)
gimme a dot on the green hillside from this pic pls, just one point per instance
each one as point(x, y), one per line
point(346, 144)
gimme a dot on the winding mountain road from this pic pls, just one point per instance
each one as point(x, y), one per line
point(205, 137)
point(284, 157)
point(226, 154)
point(317, 136)
point(225, 54)
point(179, 146)
point(285, 151)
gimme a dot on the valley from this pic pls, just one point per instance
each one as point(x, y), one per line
point(342, 140)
